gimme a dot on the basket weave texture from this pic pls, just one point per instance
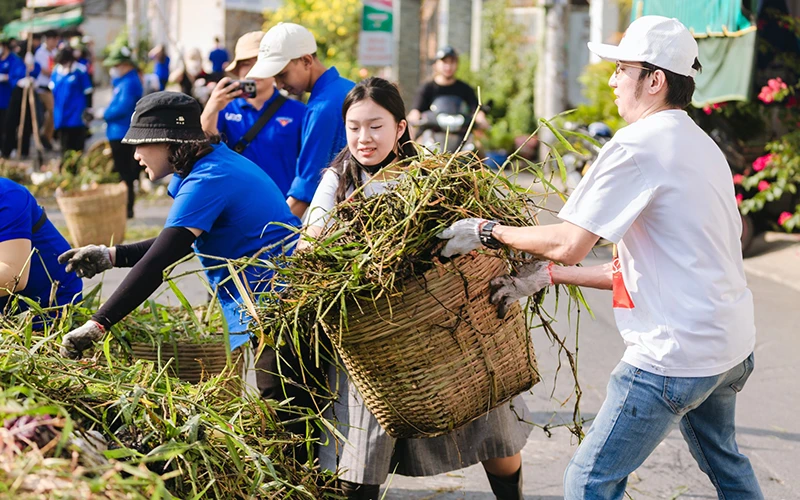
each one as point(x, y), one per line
point(193, 361)
point(438, 357)
point(97, 216)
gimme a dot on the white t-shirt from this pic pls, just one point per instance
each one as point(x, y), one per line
point(45, 59)
point(663, 192)
point(325, 196)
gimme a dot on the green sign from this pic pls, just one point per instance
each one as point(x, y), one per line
point(375, 19)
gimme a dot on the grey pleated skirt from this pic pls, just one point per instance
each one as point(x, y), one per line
point(363, 452)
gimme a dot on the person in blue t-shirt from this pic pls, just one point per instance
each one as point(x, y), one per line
point(29, 250)
point(276, 147)
point(8, 63)
point(22, 74)
point(219, 57)
point(127, 91)
point(288, 53)
point(224, 206)
point(160, 64)
point(70, 85)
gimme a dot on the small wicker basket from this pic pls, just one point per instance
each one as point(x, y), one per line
point(97, 216)
point(193, 362)
point(436, 357)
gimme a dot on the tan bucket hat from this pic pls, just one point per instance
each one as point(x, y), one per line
point(246, 48)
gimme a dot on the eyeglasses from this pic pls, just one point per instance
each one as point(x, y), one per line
point(619, 68)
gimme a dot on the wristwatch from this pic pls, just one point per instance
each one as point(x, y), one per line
point(485, 235)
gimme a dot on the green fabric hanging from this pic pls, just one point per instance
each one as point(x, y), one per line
point(700, 16)
point(728, 64)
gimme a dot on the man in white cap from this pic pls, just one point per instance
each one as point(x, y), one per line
point(661, 190)
point(288, 53)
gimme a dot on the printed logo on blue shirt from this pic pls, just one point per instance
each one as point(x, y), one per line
point(284, 120)
point(233, 117)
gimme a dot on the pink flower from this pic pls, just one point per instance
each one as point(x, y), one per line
point(761, 162)
point(763, 186)
point(776, 84)
point(718, 105)
point(783, 217)
point(737, 179)
point(739, 198)
point(766, 95)
point(707, 110)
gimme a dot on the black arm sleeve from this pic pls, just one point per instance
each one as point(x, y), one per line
point(129, 255)
point(171, 245)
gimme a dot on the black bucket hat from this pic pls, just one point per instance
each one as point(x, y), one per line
point(165, 117)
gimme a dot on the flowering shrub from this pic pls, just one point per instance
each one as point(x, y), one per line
point(772, 177)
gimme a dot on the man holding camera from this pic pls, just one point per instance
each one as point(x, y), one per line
point(254, 119)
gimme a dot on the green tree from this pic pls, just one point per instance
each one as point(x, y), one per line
point(506, 76)
point(10, 10)
point(335, 25)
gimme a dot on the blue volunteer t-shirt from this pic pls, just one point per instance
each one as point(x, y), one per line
point(11, 66)
point(161, 69)
point(70, 87)
point(218, 58)
point(127, 90)
point(234, 203)
point(276, 147)
point(19, 212)
point(323, 133)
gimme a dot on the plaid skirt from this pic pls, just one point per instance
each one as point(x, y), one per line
point(365, 454)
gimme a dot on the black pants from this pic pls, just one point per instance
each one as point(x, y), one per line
point(72, 138)
point(300, 380)
point(127, 168)
point(11, 124)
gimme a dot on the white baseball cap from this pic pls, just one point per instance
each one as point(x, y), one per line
point(282, 43)
point(658, 40)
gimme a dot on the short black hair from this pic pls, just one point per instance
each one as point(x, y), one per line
point(65, 56)
point(679, 88)
point(183, 156)
point(50, 33)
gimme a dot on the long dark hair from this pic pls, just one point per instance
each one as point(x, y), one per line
point(386, 95)
point(183, 156)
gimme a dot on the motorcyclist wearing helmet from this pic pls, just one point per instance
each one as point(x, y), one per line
point(445, 83)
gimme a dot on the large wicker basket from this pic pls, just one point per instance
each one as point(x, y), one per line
point(438, 357)
point(192, 362)
point(97, 216)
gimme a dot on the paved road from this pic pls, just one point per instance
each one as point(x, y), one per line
point(768, 431)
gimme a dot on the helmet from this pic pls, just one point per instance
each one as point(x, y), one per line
point(446, 51)
point(600, 129)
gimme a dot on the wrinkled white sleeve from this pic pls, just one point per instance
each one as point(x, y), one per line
point(611, 196)
point(324, 199)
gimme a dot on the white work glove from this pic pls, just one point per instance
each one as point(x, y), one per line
point(29, 59)
point(24, 83)
point(464, 236)
point(87, 261)
point(504, 291)
point(78, 340)
point(3, 77)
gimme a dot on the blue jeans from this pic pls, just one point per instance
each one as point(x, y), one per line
point(640, 410)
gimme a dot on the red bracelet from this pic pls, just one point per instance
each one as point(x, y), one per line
point(101, 327)
point(550, 271)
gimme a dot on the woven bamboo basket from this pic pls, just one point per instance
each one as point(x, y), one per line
point(97, 216)
point(193, 362)
point(438, 357)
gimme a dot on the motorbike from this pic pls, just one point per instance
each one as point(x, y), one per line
point(578, 163)
point(444, 126)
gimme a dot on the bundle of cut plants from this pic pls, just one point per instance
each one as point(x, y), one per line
point(109, 427)
point(416, 331)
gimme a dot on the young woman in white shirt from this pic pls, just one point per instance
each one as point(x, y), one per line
point(377, 141)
